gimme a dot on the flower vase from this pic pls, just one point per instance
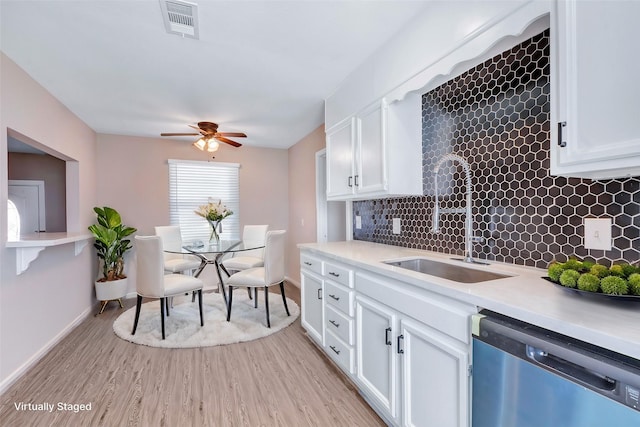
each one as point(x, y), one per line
point(214, 238)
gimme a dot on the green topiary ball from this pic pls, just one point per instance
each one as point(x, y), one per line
point(634, 284)
point(554, 271)
point(617, 270)
point(586, 265)
point(628, 269)
point(573, 264)
point(614, 285)
point(588, 282)
point(569, 278)
point(599, 270)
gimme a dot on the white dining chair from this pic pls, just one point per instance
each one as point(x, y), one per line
point(251, 235)
point(152, 282)
point(271, 273)
point(175, 263)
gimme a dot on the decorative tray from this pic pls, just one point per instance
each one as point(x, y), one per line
point(597, 295)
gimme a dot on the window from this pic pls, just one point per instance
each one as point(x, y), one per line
point(191, 184)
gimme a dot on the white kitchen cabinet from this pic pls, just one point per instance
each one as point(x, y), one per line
point(413, 353)
point(435, 382)
point(311, 292)
point(376, 361)
point(377, 152)
point(595, 90)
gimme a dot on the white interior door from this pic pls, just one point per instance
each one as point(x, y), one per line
point(28, 197)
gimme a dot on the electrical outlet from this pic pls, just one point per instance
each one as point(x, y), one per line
point(358, 222)
point(597, 233)
point(396, 226)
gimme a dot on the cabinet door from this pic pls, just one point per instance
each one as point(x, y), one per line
point(340, 161)
point(312, 318)
point(435, 382)
point(597, 90)
point(376, 358)
point(371, 159)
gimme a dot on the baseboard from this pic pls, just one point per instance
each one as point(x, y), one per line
point(8, 382)
point(295, 283)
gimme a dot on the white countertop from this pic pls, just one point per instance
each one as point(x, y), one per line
point(525, 295)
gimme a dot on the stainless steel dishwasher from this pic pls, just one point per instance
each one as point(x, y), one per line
point(525, 376)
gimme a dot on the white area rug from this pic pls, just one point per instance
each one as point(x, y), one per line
point(182, 327)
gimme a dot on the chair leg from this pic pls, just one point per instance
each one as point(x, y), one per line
point(135, 322)
point(284, 299)
point(229, 303)
point(249, 292)
point(255, 297)
point(166, 303)
point(200, 304)
point(266, 305)
point(162, 303)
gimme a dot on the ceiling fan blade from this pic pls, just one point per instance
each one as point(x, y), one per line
point(236, 134)
point(228, 141)
point(202, 132)
point(179, 134)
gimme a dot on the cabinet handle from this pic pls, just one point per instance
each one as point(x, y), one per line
point(387, 341)
point(349, 184)
point(334, 274)
point(400, 350)
point(307, 263)
point(355, 180)
point(320, 293)
point(561, 142)
point(334, 297)
point(334, 323)
point(334, 349)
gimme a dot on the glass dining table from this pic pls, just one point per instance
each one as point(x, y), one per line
point(212, 254)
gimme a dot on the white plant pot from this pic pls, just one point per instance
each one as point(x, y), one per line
point(113, 290)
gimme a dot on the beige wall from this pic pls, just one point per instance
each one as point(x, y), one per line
point(52, 171)
point(39, 305)
point(302, 197)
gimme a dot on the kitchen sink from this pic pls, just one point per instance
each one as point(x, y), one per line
point(456, 273)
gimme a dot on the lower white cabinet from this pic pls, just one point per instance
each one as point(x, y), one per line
point(407, 349)
point(435, 378)
point(376, 359)
point(312, 313)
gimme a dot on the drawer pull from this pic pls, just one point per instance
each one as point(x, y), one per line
point(400, 350)
point(334, 274)
point(334, 323)
point(334, 349)
point(320, 293)
point(387, 341)
point(334, 297)
point(308, 263)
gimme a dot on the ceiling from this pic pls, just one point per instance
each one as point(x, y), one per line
point(259, 67)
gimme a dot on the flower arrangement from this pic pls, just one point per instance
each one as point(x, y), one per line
point(214, 213)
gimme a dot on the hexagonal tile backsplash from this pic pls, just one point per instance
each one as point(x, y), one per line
point(496, 116)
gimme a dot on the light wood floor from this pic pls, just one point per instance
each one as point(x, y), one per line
point(280, 380)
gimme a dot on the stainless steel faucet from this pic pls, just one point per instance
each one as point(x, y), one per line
point(468, 234)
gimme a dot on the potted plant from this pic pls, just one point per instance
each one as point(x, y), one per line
point(111, 245)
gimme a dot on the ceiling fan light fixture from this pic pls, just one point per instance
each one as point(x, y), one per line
point(212, 145)
point(200, 144)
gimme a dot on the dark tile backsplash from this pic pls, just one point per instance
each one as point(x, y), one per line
point(496, 116)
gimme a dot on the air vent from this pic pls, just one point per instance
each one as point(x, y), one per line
point(180, 17)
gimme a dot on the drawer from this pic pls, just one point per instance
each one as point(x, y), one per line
point(311, 263)
point(338, 323)
point(339, 297)
point(340, 352)
point(338, 274)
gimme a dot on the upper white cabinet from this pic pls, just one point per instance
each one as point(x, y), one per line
point(595, 110)
point(377, 152)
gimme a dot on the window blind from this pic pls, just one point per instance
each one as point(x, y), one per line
point(191, 184)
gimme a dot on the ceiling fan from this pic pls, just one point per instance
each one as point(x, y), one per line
point(210, 136)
